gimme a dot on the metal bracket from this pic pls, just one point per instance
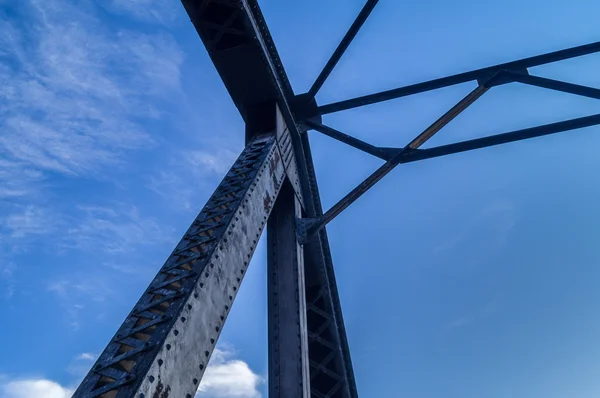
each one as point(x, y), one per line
point(306, 228)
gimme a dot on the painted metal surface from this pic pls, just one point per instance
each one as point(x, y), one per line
point(288, 339)
point(164, 345)
point(464, 77)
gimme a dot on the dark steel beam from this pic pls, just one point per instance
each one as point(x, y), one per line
point(289, 373)
point(322, 296)
point(448, 117)
point(382, 153)
point(342, 47)
point(309, 226)
point(517, 135)
point(460, 78)
point(557, 85)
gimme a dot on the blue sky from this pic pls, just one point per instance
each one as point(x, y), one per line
point(468, 276)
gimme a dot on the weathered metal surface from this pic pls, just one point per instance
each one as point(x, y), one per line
point(331, 372)
point(288, 342)
point(241, 48)
point(286, 147)
point(164, 345)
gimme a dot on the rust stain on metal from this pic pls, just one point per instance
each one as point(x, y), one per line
point(273, 167)
point(267, 202)
point(161, 391)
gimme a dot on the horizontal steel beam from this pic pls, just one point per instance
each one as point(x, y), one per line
point(459, 78)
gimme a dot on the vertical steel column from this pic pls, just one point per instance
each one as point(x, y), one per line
point(288, 344)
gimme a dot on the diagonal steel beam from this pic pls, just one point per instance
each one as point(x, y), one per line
point(309, 226)
point(448, 117)
point(382, 153)
point(459, 78)
point(342, 47)
point(164, 345)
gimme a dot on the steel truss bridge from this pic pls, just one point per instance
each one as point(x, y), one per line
point(163, 347)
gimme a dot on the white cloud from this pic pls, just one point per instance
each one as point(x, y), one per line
point(81, 364)
point(86, 356)
point(226, 377)
point(34, 388)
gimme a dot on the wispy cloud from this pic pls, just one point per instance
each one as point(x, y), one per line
point(228, 377)
point(112, 230)
point(499, 218)
point(153, 11)
point(73, 91)
point(7, 280)
point(179, 185)
point(490, 307)
point(29, 220)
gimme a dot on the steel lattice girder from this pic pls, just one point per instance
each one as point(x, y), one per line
point(240, 46)
point(164, 345)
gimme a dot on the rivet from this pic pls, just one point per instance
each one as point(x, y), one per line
point(212, 341)
point(160, 362)
point(151, 378)
point(201, 366)
point(189, 306)
point(217, 328)
point(207, 354)
point(195, 381)
point(175, 332)
point(168, 347)
point(182, 319)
